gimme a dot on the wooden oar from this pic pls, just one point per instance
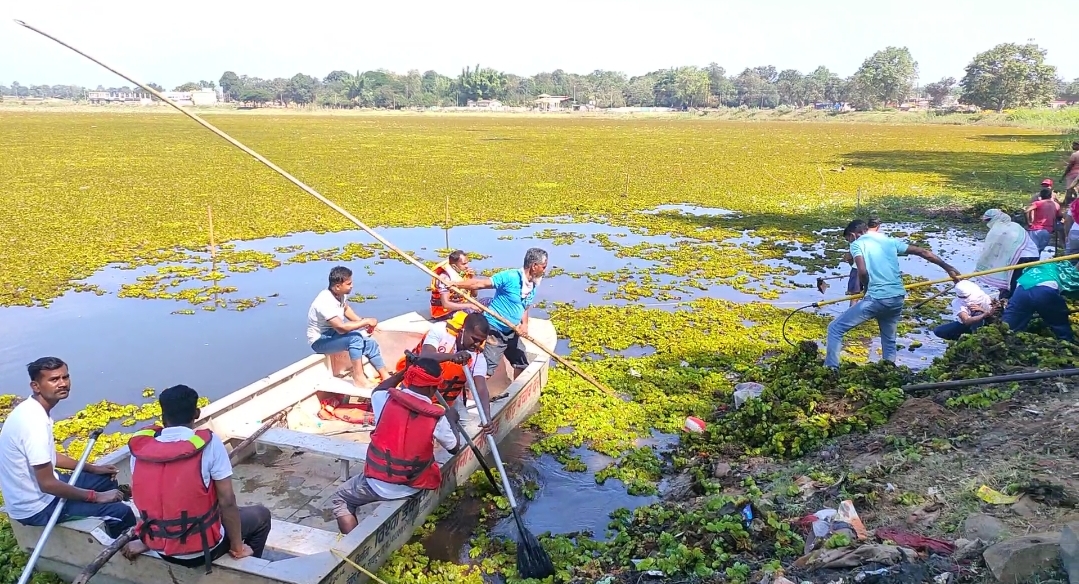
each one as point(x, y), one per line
point(29, 569)
point(130, 535)
point(475, 302)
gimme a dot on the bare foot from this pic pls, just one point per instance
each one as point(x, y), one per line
point(133, 549)
point(362, 382)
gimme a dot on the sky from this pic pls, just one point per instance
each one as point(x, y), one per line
point(175, 42)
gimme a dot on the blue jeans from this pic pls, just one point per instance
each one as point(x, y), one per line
point(951, 331)
point(357, 345)
point(885, 311)
point(1040, 237)
point(1046, 302)
point(118, 517)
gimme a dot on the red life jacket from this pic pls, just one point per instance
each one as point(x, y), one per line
point(179, 514)
point(452, 382)
point(402, 451)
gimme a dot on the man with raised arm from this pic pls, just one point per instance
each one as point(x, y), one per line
point(877, 258)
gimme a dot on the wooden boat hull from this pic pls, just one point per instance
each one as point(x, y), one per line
point(302, 536)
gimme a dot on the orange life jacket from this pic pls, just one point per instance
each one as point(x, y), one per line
point(402, 450)
point(452, 382)
point(437, 310)
point(179, 514)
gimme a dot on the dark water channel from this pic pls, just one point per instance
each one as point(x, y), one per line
point(116, 346)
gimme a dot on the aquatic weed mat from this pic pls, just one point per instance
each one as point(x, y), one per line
point(84, 190)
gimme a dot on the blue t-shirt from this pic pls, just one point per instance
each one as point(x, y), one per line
point(507, 300)
point(881, 255)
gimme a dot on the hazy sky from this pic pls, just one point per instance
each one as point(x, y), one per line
point(173, 42)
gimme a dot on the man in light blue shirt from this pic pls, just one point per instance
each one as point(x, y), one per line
point(876, 256)
point(515, 292)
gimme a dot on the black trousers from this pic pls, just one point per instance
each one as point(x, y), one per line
point(254, 530)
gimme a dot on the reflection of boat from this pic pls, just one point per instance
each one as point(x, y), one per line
point(294, 469)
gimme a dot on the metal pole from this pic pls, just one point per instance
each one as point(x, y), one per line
point(29, 569)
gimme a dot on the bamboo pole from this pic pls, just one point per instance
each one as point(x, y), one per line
point(128, 536)
point(295, 181)
point(961, 277)
point(992, 379)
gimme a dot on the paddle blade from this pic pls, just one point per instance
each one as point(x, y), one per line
point(532, 559)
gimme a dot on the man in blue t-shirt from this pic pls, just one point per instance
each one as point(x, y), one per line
point(876, 256)
point(515, 292)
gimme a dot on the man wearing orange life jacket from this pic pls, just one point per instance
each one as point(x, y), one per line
point(444, 301)
point(401, 456)
point(457, 346)
point(181, 482)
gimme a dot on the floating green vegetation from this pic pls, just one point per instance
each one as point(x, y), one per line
point(777, 176)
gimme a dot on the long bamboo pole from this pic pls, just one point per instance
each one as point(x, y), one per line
point(334, 206)
point(961, 277)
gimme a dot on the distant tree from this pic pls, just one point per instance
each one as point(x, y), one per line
point(256, 95)
point(189, 86)
point(231, 85)
point(480, 83)
point(337, 76)
point(1007, 76)
point(301, 89)
point(156, 88)
point(886, 77)
point(938, 90)
point(719, 86)
point(791, 87)
point(640, 91)
point(1070, 91)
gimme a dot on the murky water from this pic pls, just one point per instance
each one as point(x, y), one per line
point(117, 346)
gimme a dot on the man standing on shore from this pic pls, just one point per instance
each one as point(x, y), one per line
point(877, 258)
point(515, 292)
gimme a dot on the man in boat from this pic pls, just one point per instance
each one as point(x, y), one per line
point(181, 481)
point(877, 257)
point(401, 456)
point(515, 292)
point(332, 327)
point(457, 346)
point(444, 301)
point(29, 482)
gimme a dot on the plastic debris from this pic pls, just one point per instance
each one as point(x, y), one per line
point(848, 514)
point(744, 392)
point(994, 497)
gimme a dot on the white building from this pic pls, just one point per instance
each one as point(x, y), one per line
point(200, 97)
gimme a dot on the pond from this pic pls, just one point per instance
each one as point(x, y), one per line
point(118, 346)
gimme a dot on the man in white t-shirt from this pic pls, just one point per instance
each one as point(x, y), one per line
point(400, 458)
point(241, 532)
point(971, 306)
point(332, 327)
point(28, 458)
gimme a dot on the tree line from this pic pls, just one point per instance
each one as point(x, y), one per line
point(1006, 76)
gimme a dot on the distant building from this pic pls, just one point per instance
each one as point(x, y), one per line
point(1058, 103)
point(549, 103)
point(200, 97)
point(125, 97)
point(491, 104)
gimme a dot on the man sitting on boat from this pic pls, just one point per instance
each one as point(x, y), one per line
point(515, 292)
point(30, 484)
point(457, 346)
point(444, 301)
point(332, 327)
point(401, 456)
point(181, 481)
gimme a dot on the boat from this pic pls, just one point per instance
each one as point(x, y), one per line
point(295, 467)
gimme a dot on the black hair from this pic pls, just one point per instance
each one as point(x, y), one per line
point(429, 366)
point(873, 223)
point(43, 364)
point(856, 227)
point(338, 275)
point(178, 405)
point(1045, 193)
point(478, 322)
point(456, 255)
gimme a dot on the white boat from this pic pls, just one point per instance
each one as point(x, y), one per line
point(295, 468)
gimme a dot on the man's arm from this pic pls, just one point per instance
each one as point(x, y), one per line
point(449, 304)
point(863, 273)
point(431, 352)
point(48, 483)
point(932, 258)
point(65, 462)
point(477, 283)
point(966, 318)
point(230, 516)
point(1030, 213)
point(485, 395)
point(342, 326)
point(353, 317)
point(391, 381)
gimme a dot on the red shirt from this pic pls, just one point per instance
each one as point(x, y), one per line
point(1045, 215)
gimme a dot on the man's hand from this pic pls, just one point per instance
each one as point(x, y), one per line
point(243, 552)
point(113, 496)
point(453, 417)
point(523, 328)
point(106, 469)
point(848, 258)
point(461, 357)
point(953, 273)
point(488, 429)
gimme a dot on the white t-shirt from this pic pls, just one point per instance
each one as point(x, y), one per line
point(976, 300)
point(26, 441)
point(443, 434)
point(325, 307)
point(439, 338)
point(215, 466)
